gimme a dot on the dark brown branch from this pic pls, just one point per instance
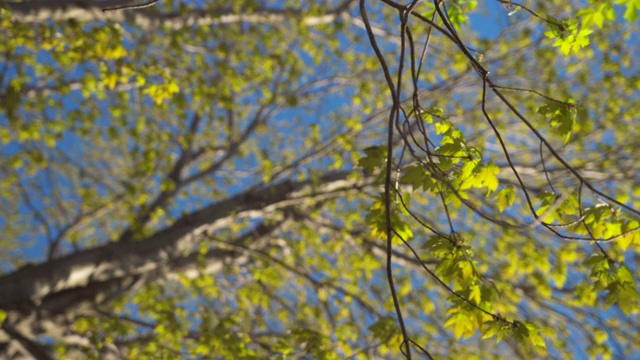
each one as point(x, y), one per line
point(131, 6)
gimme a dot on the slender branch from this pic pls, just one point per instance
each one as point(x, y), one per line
point(131, 6)
point(393, 114)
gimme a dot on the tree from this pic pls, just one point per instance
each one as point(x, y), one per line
point(339, 179)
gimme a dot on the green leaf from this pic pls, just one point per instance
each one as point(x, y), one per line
point(436, 111)
point(487, 177)
point(475, 294)
point(11, 102)
point(461, 323)
point(632, 9)
point(491, 329)
point(562, 117)
point(383, 328)
point(569, 37)
point(596, 15)
point(375, 157)
point(442, 126)
point(624, 275)
point(415, 175)
point(505, 198)
point(534, 335)
point(625, 294)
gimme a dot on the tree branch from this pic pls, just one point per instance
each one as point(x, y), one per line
point(32, 284)
point(37, 11)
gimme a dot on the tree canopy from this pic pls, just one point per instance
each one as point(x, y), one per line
point(326, 179)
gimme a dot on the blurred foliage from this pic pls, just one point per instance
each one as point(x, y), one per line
point(122, 127)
